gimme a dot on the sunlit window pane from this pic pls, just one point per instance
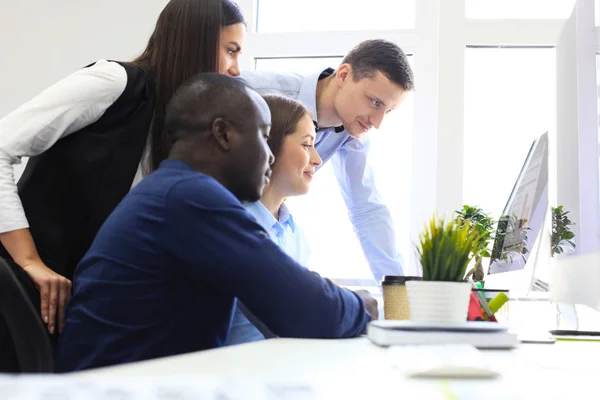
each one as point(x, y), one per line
point(526, 9)
point(334, 15)
point(303, 66)
point(509, 102)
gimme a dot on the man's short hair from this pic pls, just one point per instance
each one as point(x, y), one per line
point(202, 99)
point(371, 56)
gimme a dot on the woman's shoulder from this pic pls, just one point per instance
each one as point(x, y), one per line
point(118, 77)
point(101, 79)
point(106, 68)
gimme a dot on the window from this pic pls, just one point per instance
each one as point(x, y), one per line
point(304, 65)
point(509, 102)
point(334, 15)
point(513, 9)
point(506, 101)
point(335, 250)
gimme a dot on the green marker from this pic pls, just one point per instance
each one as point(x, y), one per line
point(497, 302)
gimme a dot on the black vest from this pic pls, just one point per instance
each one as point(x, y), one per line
point(69, 190)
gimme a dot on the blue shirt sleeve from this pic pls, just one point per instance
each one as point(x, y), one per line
point(220, 244)
point(371, 218)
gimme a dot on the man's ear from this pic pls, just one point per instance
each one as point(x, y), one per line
point(343, 73)
point(224, 133)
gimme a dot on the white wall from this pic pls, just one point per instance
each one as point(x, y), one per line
point(41, 41)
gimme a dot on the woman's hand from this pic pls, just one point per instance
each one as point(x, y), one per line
point(55, 292)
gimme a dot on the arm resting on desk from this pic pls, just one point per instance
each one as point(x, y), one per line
point(236, 256)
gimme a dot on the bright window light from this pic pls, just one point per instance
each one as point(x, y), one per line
point(509, 102)
point(334, 15)
point(525, 9)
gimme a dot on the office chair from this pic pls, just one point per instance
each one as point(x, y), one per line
point(29, 335)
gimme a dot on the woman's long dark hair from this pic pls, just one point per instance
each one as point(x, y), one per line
point(185, 42)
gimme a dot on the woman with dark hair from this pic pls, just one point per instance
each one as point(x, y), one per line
point(291, 140)
point(91, 137)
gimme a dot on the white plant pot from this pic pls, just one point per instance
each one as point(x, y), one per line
point(432, 301)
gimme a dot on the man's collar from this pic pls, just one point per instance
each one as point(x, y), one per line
point(308, 94)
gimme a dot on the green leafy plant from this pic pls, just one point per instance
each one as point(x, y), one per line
point(446, 249)
point(511, 238)
point(484, 224)
point(562, 234)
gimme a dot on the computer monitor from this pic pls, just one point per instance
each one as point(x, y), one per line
point(518, 237)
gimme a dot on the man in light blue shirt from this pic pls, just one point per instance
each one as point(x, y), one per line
point(373, 79)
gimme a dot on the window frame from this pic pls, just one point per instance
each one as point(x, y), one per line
point(441, 34)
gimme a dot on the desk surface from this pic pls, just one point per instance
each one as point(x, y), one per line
point(356, 367)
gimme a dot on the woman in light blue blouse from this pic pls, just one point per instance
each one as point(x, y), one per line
point(292, 142)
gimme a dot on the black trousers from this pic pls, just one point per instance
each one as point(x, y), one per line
point(8, 356)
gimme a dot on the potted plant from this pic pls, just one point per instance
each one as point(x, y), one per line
point(485, 227)
point(562, 234)
point(445, 250)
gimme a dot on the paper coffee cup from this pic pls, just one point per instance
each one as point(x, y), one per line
point(395, 297)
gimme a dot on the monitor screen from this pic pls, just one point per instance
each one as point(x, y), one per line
point(523, 217)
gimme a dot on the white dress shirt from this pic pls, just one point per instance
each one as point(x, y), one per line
point(64, 108)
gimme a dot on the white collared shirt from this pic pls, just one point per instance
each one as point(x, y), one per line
point(64, 108)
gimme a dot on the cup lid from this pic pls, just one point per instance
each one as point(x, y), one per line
point(398, 279)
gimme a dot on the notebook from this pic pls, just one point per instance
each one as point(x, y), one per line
point(481, 334)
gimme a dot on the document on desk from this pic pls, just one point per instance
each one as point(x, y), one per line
point(194, 387)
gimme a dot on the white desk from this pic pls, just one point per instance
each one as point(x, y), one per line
point(355, 368)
